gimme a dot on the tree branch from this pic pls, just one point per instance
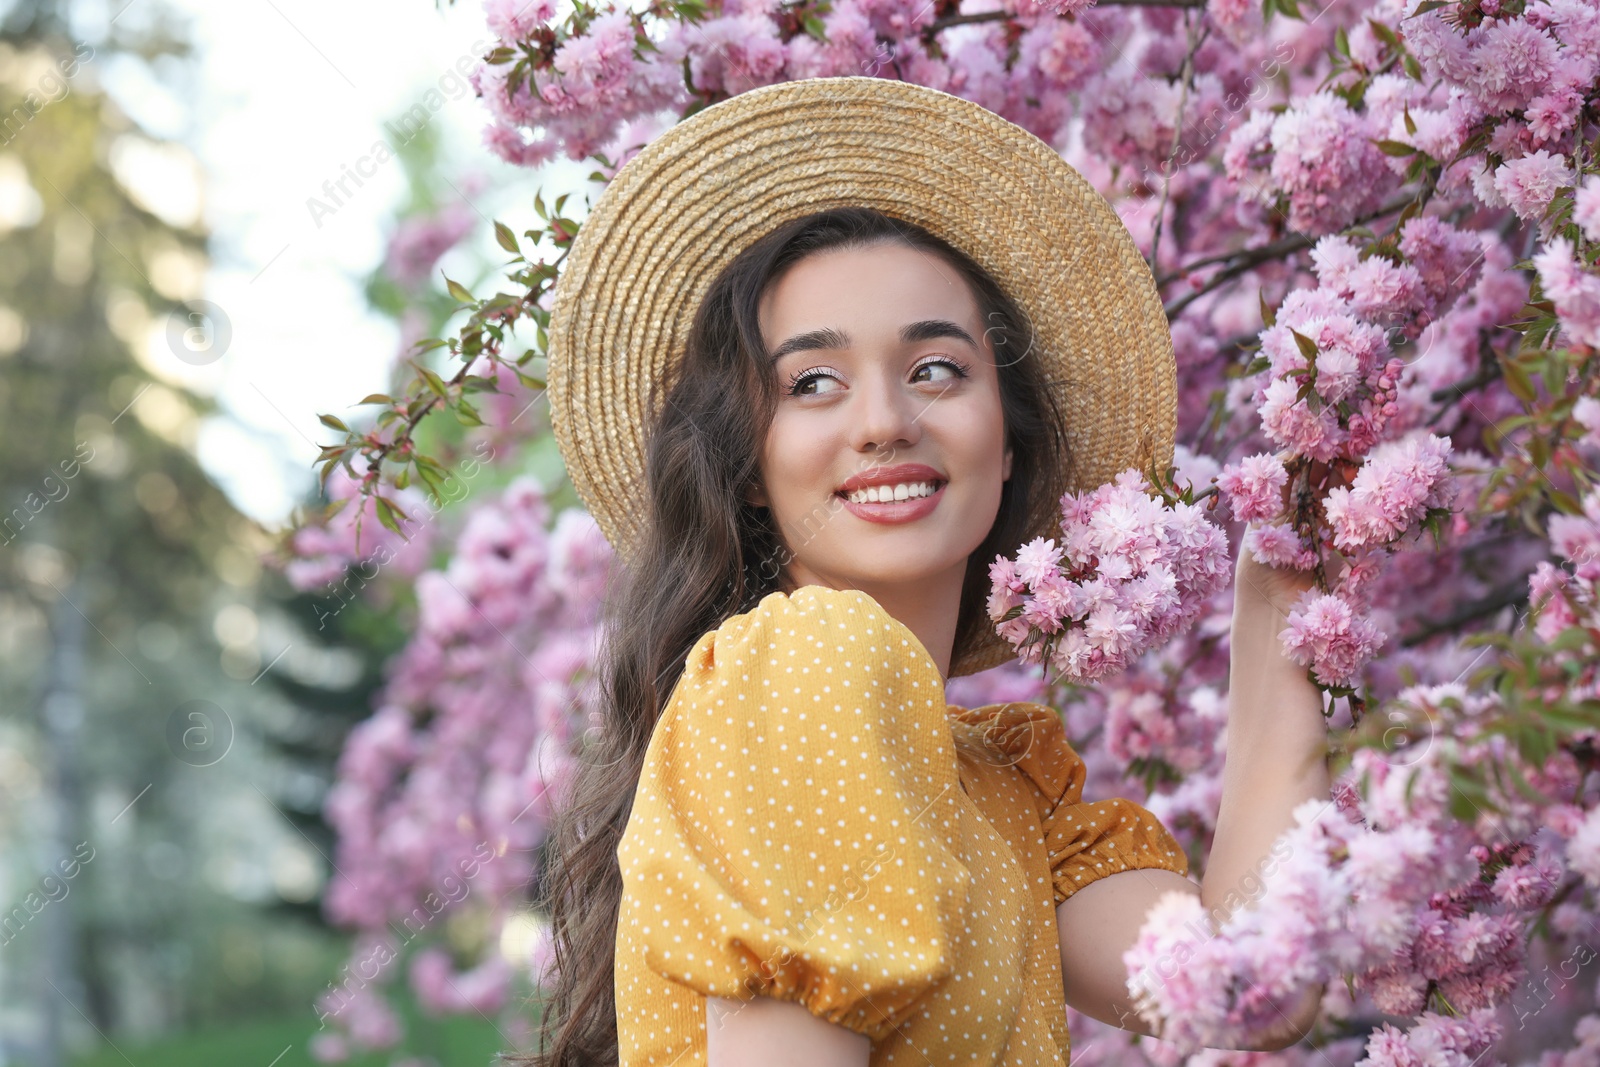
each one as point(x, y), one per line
point(1507, 595)
point(996, 16)
point(1250, 257)
point(1185, 76)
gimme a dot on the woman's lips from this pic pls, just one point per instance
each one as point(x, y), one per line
point(896, 511)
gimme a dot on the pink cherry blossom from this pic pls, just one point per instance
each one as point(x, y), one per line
point(1254, 486)
point(1135, 572)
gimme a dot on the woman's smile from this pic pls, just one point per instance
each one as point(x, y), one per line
point(898, 494)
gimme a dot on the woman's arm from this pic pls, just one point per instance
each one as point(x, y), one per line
point(777, 1033)
point(1276, 758)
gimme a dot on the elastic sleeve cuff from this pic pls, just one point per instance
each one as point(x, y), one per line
point(1087, 842)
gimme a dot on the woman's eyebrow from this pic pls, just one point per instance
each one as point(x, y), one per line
point(910, 333)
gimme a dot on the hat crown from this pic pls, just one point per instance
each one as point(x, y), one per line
point(707, 188)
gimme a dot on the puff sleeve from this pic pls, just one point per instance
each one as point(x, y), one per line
point(1084, 841)
point(790, 836)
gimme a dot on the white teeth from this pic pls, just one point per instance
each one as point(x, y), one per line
point(877, 494)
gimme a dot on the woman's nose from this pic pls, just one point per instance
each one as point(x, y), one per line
point(887, 415)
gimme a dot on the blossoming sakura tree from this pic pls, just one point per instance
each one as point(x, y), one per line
point(1374, 224)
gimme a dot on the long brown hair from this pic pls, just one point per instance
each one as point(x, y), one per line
point(707, 554)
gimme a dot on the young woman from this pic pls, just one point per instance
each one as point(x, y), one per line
point(785, 846)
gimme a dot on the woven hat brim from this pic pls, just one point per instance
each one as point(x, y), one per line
point(707, 188)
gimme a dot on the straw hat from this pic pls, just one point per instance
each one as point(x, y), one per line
point(710, 186)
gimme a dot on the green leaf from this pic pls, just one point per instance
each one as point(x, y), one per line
point(385, 512)
point(1411, 123)
point(435, 382)
point(333, 423)
point(1393, 148)
point(1539, 452)
point(403, 479)
point(477, 383)
point(1554, 376)
point(1384, 34)
point(467, 414)
point(1518, 382)
point(459, 291)
point(1308, 347)
point(1568, 718)
point(396, 508)
point(508, 240)
point(378, 398)
point(1268, 315)
point(1565, 503)
point(431, 479)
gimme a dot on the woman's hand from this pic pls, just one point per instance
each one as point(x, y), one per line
point(1259, 586)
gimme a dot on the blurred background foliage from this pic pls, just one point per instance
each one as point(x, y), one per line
point(172, 709)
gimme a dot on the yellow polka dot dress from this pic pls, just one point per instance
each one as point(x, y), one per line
point(814, 823)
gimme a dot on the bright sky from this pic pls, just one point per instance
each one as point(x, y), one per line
point(286, 94)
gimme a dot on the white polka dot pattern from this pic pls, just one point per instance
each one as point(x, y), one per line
point(815, 824)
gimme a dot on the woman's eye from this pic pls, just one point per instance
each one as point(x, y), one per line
point(797, 384)
point(958, 370)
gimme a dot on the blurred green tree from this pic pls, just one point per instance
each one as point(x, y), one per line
point(147, 884)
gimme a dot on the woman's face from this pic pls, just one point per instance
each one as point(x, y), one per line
point(882, 361)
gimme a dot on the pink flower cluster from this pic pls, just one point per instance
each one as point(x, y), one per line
point(443, 795)
point(1382, 884)
point(1130, 572)
point(1327, 634)
point(1526, 79)
point(1398, 484)
point(1318, 155)
point(419, 241)
point(1586, 207)
point(1570, 596)
point(1334, 897)
point(1540, 64)
point(1254, 486)
point(1574, 290)
point(1342, 404)
point(1355, 380)
point(1439, 262)
point(595, 85)
point(320, 556)
point(1437, 1040)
